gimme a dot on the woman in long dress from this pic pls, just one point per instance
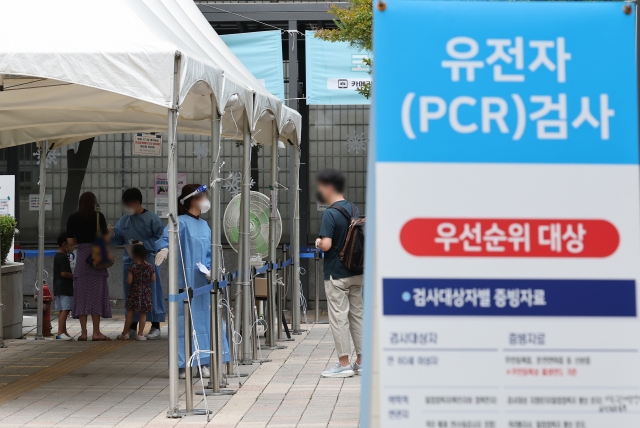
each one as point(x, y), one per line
point(90, 287)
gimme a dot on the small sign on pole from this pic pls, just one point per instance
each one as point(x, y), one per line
point(34, 202)
point(147, 144)
point(161, 192)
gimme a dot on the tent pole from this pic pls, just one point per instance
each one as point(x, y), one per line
point(273, 221)
point(295, 244)
point(41, 214)
point(216, 247)
point(174, 405)
point(244, 250)
point(214, 224)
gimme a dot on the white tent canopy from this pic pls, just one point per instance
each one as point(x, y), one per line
point(74, 69)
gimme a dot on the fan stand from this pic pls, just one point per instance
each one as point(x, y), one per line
point(260, 213)
point(256, 263)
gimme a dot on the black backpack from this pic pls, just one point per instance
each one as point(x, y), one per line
point(352, 252)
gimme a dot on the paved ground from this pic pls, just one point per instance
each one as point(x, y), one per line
point(104, 384)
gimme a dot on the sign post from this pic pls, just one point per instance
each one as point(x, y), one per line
point(505, 253)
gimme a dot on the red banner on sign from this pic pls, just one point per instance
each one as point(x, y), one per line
point(466, 237)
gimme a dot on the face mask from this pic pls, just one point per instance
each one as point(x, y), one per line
point(129, 210)
point(205, 206)
point(319, 197)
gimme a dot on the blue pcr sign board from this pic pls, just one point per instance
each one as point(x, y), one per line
point(506, 232)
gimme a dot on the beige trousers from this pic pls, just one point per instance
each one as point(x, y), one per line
point(344, 300)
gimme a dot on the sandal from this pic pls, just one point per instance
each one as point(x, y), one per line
point(123, 337)
point(104, 339)
point(82, 339)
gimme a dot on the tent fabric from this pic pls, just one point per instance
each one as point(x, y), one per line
point(102, 67)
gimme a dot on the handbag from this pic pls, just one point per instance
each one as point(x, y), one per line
point(100, 257)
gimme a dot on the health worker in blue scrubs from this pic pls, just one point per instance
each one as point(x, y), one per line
point(141, 227)
point(194, 239)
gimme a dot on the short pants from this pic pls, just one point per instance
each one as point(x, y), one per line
point(64, 303)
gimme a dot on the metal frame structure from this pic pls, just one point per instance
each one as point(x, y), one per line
point(244, 272)
point(234, 17)
point(290, 13)
point(291, 18)
point(245, 297)
point(253, 14)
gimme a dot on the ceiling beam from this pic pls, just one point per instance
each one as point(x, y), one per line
point(265, 12)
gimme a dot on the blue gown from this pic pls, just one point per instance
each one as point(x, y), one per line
point(195, 241)
point(146, 227)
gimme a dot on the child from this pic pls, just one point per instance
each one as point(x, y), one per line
point(63, 285)
point(140, 277)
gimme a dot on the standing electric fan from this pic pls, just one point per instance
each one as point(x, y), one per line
point(259, 212)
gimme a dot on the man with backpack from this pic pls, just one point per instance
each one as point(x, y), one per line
point(342, 240)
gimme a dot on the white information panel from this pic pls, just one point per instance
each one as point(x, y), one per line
point(507, 216)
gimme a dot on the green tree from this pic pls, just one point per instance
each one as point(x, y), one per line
point(354, 26)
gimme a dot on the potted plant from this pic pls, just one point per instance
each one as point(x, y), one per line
point(7, 230)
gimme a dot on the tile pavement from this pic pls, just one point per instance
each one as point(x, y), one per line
point(128, 387)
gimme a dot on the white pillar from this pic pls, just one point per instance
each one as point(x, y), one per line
point(174, 405)
point(295, 244)
point(245, 246)
point(214, 224)
point(41, 216)
point(274, 319)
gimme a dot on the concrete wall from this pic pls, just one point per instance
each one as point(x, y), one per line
point(12, 300)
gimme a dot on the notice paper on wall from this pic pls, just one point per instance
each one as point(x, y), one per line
point(147, 144)
point(34, 202)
